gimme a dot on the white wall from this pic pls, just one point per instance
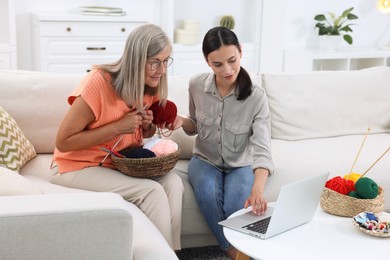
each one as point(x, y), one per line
point(287, 24)
point(299, 22)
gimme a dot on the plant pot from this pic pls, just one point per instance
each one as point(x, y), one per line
point(330, 42)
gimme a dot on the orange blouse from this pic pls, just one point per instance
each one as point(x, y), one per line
point(98, 93)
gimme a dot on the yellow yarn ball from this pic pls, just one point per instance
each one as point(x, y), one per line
point(353, 176)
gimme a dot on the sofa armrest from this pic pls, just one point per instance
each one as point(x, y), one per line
point(65, 226)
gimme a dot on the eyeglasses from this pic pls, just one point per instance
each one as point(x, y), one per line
point(155, 65)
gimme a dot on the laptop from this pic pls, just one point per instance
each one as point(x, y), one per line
point(296, 205)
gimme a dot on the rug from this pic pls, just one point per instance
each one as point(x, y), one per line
point(202, 253)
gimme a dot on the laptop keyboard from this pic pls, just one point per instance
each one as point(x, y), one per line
point(260, 226)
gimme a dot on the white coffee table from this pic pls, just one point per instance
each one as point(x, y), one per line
point(325, 237)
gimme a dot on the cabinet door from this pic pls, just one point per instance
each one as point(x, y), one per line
point(5, 61)
point(189, 63)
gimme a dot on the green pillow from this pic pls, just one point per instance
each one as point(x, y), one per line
point(15, 149)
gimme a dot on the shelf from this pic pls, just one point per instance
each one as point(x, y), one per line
point(46, 16)
point(247, 16)
point(348, 59)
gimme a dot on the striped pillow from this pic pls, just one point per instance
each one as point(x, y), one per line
point(15, 148)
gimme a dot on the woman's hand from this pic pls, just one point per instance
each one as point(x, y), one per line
point(257, 201)
point(129, 123)
point(147, 119)
point(176, 124)
point(256, 198)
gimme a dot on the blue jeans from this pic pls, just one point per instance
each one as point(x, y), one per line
point(219, 193)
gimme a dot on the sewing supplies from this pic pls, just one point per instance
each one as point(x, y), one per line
point(375, 224)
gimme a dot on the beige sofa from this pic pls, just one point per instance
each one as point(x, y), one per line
point(319, 120)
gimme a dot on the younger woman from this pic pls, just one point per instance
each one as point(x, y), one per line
point(232, 154)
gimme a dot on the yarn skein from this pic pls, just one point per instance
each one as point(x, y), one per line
point(354, 194)
point(137, 153)
point(366, 188)
point(352, 176)
point(340, 185)
point(164, 114)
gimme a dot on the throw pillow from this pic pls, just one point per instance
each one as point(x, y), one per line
point(15, 148)
point(322, 104)
point(12, 183)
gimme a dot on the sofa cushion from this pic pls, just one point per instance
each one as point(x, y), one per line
point(15, 148)
point(328, 103)
point(42, 93)
point(11, 183)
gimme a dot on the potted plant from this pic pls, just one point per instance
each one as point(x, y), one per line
point(336, 25)
point(227, 21)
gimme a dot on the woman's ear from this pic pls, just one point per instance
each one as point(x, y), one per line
point(207, 61)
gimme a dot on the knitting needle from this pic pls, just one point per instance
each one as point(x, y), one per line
point(120, 138)
point(112, 152)
point(357, 156)
point(380, 157)
point(117, 142)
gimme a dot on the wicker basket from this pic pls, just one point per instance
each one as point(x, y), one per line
point(146, 167)
point(343, 205)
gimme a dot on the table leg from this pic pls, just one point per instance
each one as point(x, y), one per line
point(241, 256)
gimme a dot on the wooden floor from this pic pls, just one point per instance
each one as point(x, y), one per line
point(241, 256)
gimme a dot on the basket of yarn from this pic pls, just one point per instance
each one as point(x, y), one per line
point(349, 195)
point(141, 162)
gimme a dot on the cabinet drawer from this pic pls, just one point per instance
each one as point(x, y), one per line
point(85, 29)
point(81, 47)
point(74, 66)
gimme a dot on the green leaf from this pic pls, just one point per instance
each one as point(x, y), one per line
point(348, 38)
point(352, 17)
point(346, 29)
point(320, 17)
point(347, 12)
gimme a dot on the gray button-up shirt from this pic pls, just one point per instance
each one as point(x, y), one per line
point(231, 133)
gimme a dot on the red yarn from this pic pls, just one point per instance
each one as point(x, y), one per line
point(340, 185)
point(163, 114)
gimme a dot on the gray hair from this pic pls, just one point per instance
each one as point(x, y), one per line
point(128, 73)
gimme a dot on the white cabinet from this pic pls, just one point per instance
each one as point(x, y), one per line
point(348, 59)
point(72, 43)
point(7, 35)
point(5, 61)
